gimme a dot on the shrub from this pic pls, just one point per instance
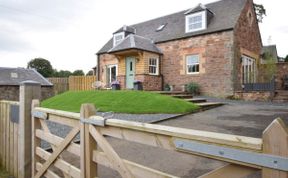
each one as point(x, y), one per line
point(193, 88)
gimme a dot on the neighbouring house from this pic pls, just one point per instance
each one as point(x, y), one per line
point(11, 78)
point(269, 52)
point(217, 45)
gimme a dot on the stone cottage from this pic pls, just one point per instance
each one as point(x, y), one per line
point(11, 78)
point(216, 45)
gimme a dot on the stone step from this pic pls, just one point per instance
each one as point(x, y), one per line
point(209, 105)
point(196, 100)
point(172, 92)
point(183, 96)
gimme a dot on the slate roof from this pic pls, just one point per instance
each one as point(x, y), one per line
point(226, 14)
point(14, 76)
point(272, 50)
point(136, 42)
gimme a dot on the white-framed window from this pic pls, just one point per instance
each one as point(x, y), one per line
point(111, 73)
point(192, 64)
point(117, 38)
point(248, 70)
point(153, 66)
point(196, 21)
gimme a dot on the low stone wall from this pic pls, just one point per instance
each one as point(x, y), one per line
point(12, 93)
point(253, 96)
point(150, 82)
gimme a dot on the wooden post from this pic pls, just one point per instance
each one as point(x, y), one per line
point(29, 90)
point(87, 144)
point(275, 142)
point(36, 142)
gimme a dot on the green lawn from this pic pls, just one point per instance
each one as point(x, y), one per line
point(133, 102)
point(3, 173)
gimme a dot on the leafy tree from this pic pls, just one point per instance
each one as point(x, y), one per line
point(78, 73)
point(270, 67)
point(62, 73)
point(286, 58)
point(90, 73)
point(43, 66)
point(260, 12)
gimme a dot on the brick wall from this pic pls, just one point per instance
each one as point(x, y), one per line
point(12, 93)
point(281, 70)
point(216, 58)
point(253, 96)
point(150, 82)
point(247, 41)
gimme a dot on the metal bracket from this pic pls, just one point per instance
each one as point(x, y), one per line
point(99, 121)
point(40, 115)
point(259, 159)
point(14, 113)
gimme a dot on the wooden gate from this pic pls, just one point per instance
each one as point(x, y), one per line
point(244, 155)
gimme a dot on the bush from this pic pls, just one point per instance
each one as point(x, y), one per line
point(193, 88)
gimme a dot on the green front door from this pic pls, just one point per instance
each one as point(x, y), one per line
point(130, 72)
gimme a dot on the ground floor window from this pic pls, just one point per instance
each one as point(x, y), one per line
point(111, 73)
point(248, 70)
point(153, 66)
point(192, 64)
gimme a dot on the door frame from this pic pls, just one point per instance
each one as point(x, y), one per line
point(134, 70)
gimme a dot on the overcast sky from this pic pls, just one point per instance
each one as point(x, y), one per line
point(69, 32)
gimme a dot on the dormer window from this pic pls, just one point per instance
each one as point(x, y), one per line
point(196, 21)
point(118, 37)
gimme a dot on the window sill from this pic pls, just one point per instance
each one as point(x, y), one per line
point(194, 73)
point(153, 74)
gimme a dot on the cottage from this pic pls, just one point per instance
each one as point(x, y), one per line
point(216, 45)
point(11, 78)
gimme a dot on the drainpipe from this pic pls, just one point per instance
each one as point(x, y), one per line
point(98, 67)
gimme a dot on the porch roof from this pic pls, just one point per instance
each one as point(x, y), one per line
point(136, 42)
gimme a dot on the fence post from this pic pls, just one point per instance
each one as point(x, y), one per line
point(29, 90)
point(87, 143)
point(275, 142)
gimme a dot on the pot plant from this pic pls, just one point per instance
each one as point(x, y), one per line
point(115, 85)
point(193, 88)
point(166, 87)
point(137, 85)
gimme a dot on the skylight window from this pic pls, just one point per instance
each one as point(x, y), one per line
point(161, 27)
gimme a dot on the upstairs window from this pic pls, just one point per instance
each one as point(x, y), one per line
point(118, 38)
point(196, 22)
point(192, 63)
point(153, 66)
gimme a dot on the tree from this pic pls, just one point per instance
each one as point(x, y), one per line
point(42, 66)
point(78, 73)
point(286, 58)
point(90, 73)
point(62, 73)
point(270, 67)
point(260, 12)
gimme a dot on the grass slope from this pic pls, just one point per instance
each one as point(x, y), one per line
point(134, 102)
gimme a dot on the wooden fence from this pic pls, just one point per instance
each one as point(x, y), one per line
point(73, 83)
point(60, 85)
point(245, 155)
point(9, 136)
point(77, 83)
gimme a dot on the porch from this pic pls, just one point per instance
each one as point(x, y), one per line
point(135, 59)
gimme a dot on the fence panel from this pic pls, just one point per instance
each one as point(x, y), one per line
point(9, 115)
point(79, 83)
point(60, 85)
